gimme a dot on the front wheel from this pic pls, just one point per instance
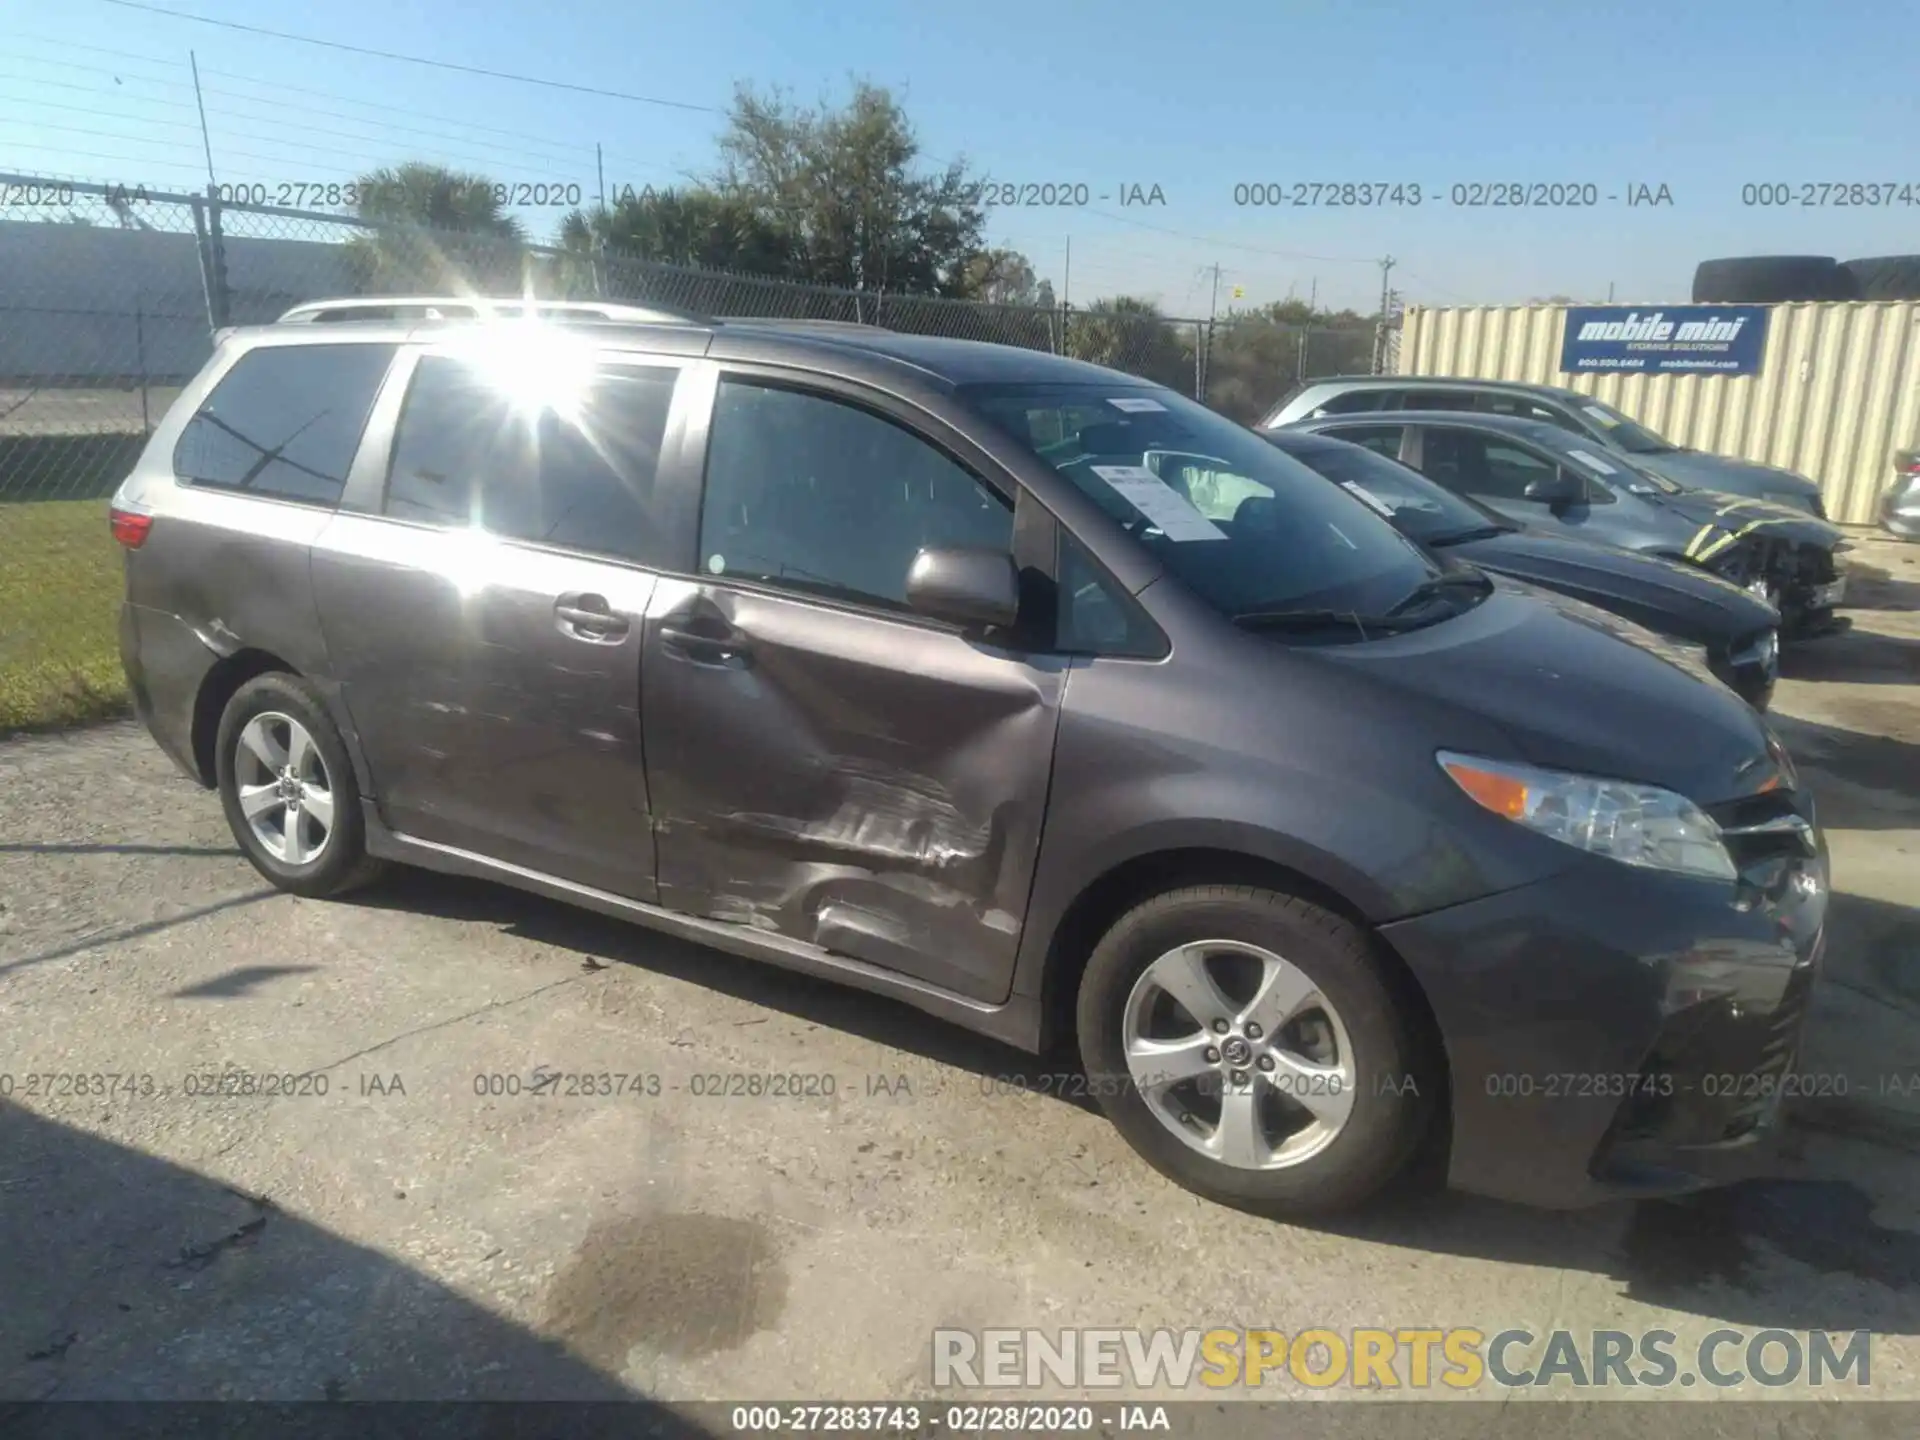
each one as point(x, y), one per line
point(1248, 1044)
point(288, 788)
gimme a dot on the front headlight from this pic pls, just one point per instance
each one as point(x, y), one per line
point(1635, 824)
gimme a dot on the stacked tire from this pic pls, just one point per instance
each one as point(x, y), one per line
point(1887, 277)
point(1785, 279)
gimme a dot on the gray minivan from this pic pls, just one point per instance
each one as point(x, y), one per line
point(889, 659)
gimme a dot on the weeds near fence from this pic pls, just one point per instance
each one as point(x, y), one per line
point(60, 584)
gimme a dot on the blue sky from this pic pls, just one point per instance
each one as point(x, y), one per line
point(1701, 97)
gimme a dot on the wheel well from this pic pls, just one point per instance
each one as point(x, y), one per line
point(211, 703)
point(1102, 903)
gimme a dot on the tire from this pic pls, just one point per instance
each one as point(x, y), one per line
point(1394, 1085)
point(1771, 280)
point(338, 861)
point(1886, 277)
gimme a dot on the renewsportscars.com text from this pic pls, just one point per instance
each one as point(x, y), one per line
point(1458, 1358)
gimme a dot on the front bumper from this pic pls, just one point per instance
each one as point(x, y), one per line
point(1614, 1033)
point(1900, 512)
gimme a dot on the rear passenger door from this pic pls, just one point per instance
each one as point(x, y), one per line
point(483, 603)
point(826, 764)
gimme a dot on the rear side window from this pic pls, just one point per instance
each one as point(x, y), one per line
point(466, 453)
point(284, 422)
point(1356, 402)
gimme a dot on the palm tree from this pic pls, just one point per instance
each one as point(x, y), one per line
point(435, 230)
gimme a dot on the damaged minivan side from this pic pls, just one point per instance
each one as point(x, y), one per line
point(895, 660)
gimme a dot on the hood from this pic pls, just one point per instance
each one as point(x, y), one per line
point(1663, 595)
point(1703, 470)
point(1742, 513)
point(1575, 688)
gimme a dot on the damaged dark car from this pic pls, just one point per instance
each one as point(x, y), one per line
point(892, 660)
point(1738, 630)
point(1543, 477)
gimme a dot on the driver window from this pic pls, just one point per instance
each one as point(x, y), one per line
point(811, 493)
point(1509, 470)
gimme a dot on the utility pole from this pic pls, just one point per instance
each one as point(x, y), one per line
point(1380, 333)
point(1313, 301)
point(1203, 345)
point(1066, 277)
point(600, 172)
point(205, 144)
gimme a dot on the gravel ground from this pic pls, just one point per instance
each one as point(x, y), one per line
point(408, 1235)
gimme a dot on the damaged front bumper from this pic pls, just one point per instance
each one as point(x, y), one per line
point(1614, 1033)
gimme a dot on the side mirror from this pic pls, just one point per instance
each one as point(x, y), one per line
point(1563, 488)
point(974, 589)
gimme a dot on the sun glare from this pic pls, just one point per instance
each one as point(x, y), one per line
point(539, 367)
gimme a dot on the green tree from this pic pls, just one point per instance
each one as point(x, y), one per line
point(1129, 333)
point(689, 226)
point(849, 186)
point(436, 230)
point(1258, 355)
point(1005, 277)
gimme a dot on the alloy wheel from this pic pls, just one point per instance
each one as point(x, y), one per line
point(1237, 1052)
point(283, 788)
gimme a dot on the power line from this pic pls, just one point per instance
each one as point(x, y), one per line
point(419, 59)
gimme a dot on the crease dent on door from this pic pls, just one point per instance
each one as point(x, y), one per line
point(914, 856)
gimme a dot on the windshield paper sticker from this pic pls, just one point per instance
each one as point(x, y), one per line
point(1594, 412)
point(1136, 405)
point(1595, 461)
point(1165, 506)
point(1360, 492)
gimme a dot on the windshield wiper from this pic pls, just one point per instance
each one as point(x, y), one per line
point(1317, 619)
point(1472, 532)
point(1439, 585)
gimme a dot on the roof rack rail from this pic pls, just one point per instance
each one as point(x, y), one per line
point(795, 323)
point(474, 307)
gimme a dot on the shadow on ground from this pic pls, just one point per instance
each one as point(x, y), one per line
point(1708, 1254)
point(129, 1278)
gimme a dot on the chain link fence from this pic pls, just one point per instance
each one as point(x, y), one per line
point(110, 298)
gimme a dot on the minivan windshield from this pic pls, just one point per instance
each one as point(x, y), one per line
point(1252, 530)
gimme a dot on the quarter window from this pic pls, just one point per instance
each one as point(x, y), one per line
point(578, 474)
point(816, 495)
point(284, 422)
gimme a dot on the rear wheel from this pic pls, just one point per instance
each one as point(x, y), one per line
point(288, 788)
point(1248, 1045)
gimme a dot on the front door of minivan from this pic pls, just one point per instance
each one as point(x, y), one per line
point(483, 607)
point(824, 763)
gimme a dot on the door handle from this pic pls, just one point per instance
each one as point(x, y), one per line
point(709, 647)
point(590, 616)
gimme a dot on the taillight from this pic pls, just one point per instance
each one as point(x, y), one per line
point(130, 527)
